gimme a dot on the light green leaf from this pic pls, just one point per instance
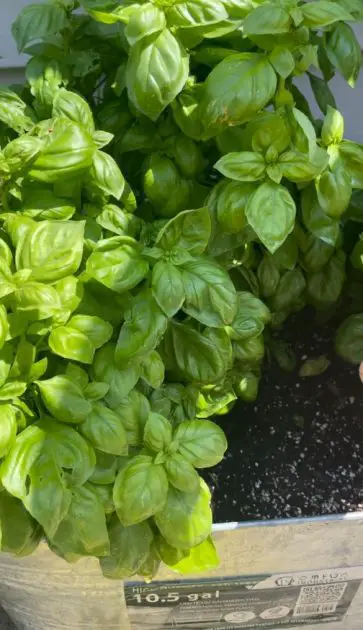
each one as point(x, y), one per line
point(189, 230)
point(64, 399)
point(323, 13)
point(181, 473)
point(140, 490)
point(116, 263)
point(152, 370)
point(157, 433)
point(283, 61)
point(156, 72)
point(244, 167)
point(168, 287)
point(236, 90)
point(70, 105)
point(105, 177)
point(210, 296)
point(144, 326)
point(120, 380)
point(104, 430)
point(271, 213)
point(14, 112)
point(134, 412)
point(201, 442)
point(147, 21)
point(51, 249)
point(186, 519)
point(267, 19)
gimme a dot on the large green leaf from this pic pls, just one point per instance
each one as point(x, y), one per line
point(236, 90)
point(156, 72)
point(271, 213)
point(130, 548)
point(186, 519)
point(38, 21)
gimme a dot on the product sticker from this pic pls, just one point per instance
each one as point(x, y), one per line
point(235, 603)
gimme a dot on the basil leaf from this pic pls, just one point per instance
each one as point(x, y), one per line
point(144, 326)
point(236, 89)
point(40, 203)
point(148, 20)
point(51, 249)
point(72, 106)
point(323, 13)
point(116, 263)
point(334, 190)
point(157, 433)
point(271, 213)
point(181, 473)
point(203, 557)
point(316, 220)
point(20, 533)
point(64, 399)
point(14, 112)
point(168, 287)
point(201, 442)
point(348, 340)
point(283, 61)
point(196, 14)
point(104, 430)
point(344, 51)
point(140, 490)
point(38, 21)
point(8, 428)
point(322, 93)
point(324, 287)
point(186, 519)
point(333, 127)
point(130, 548)
point(152, 370)
point(156, 72)
point(193, 354)
point(83, 532)
point(105, 177)
point(268, 275)
point(244, 167)
point(251, 316)
point(289, 290)
point(68, 151)
point(189, 230)
point(134, 413)
point(210, 296)
point(267, 19)
point(120, 380)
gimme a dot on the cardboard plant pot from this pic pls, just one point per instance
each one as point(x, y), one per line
point(291, 567)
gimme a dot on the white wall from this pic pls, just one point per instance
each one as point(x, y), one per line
point(349, 101)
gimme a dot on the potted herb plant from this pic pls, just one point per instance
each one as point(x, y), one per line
point(168, 200)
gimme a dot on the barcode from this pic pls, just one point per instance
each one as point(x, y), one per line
point(314, 609)
point(322, 593)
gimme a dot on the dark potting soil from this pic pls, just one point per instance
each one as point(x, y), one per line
point(297, 451)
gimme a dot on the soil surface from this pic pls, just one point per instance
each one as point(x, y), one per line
point(297, 451)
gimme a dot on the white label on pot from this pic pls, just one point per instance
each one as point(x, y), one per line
point(282, 600)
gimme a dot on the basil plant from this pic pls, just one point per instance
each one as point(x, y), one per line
point(167, 201)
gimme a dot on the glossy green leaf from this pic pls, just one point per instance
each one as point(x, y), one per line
point(148, 20)
point(168, 287)
point(244, 167)
point(186, 519)
point(236, 90)
point(72, 106)
point(134, 413)
point(152, 370)
point(140, 490)
point(334, 190)
point(103, 428)
point(271, 213)
point(210, 296)
point(157, 432)
point(333, 127)
point(251, 317)
point(144, 326)
point(156, 72)
point(120, 380)
point(105, 177)
point(117, 264)
point(14, 112)
point(51, 249)
point(201, 442)
point(64, 399)
point(323, 13)
point(189, 230)
point(181, 473)
point(38, 21)
point(344, 51)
